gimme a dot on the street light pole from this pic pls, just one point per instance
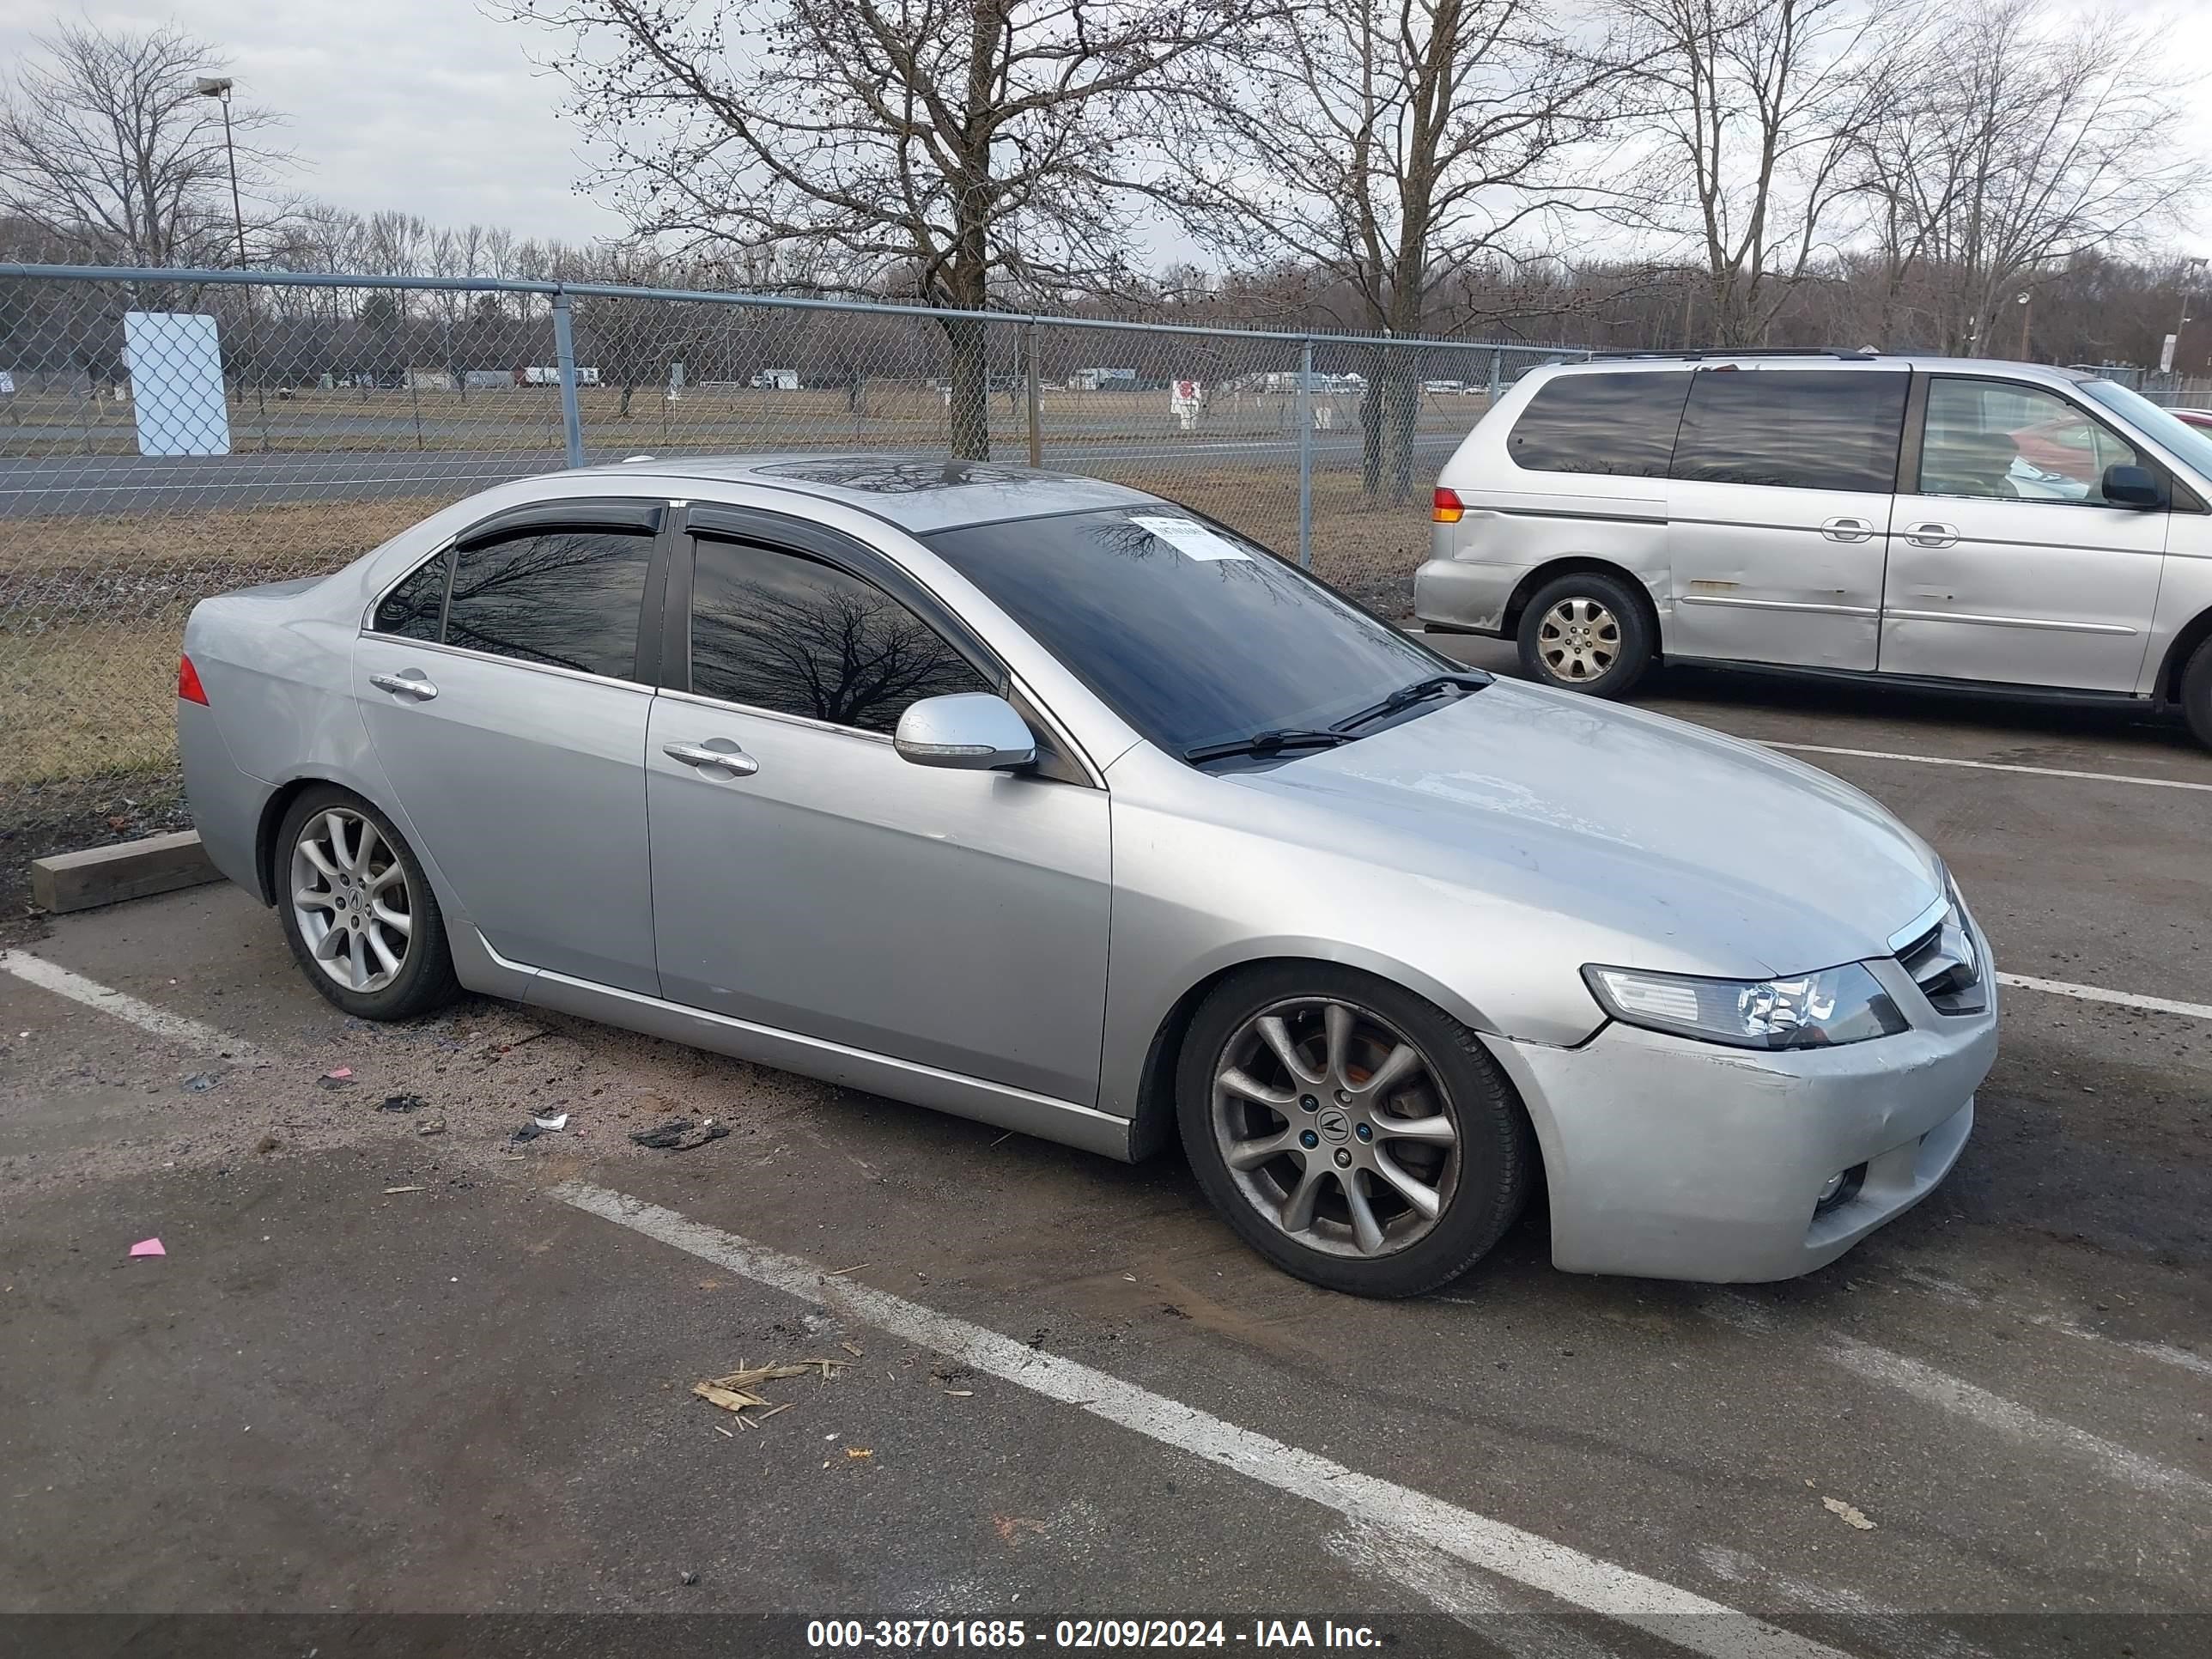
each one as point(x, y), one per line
point(2027, 304)
point(2194, 262)
point(217, 87)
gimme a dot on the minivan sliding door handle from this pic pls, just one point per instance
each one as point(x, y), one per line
point(1847, 529)
point(1931, 534)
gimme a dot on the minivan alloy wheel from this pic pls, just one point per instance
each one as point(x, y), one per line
point(351, 901)
point(1578, 639)
point(1335, 1127)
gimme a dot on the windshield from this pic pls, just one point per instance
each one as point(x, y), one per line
point(2189, 445)
point(1191, 634)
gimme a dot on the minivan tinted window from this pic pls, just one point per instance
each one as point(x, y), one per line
point(1793, 428)
point(1618, 424)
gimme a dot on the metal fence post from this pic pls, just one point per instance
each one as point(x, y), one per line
point(1497, 373)
point(564, 350)
point(1029, 374)
point(1306, 454)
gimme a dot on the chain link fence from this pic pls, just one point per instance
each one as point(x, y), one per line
point(166, 435)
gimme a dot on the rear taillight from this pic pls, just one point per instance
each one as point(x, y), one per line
point(188, 683)
point(1447, 508)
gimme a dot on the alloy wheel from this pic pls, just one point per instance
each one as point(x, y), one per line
point(1335, 1127)
point(1578, 640)
point(351, 901)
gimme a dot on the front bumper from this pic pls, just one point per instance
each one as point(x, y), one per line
point(1671, 1159)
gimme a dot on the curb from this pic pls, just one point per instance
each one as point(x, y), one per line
point(108, 875)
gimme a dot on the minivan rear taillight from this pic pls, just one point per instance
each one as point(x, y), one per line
point(188, 683)
point(1446, 507)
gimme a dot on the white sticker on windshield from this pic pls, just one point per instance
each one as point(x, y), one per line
point(1193, 540)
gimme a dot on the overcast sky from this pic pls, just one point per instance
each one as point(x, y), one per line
point(431, 106)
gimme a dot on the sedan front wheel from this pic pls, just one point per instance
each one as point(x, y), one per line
point(1352, 1133)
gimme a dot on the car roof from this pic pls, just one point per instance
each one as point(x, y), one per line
point(1660, 361)
point(918, 493)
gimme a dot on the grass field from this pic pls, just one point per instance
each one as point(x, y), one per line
point(92, 609)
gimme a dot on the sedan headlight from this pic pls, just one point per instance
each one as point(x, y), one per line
point(1808, 1011)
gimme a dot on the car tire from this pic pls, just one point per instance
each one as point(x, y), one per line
point(354, 899)
point(1586, 632)
point(2197, 693)
point(1479, 1179)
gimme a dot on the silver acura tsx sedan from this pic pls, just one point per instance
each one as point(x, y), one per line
point(1052, 804)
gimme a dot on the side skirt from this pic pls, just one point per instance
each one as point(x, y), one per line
point(483, 969)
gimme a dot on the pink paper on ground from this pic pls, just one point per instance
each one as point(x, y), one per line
point(147, 1246)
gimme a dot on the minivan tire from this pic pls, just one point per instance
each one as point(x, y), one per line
point(1492, 1167)
point(1609, 658)
point(2197, 693)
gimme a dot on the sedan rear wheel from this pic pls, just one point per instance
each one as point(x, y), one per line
point(1352, 1133)
point(357, 908)
point(350, 900)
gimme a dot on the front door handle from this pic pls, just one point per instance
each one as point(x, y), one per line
point(729, 758)
point(405, 685)
point(1931, 534)
point(1847, 529)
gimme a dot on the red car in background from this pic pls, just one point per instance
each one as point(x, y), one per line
point(2065, 458)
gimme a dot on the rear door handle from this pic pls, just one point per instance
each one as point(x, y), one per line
point(728, 756)
point(405, 685)
point(1931, 534)
point(1847, 529)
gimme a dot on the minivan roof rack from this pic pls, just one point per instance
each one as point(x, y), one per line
point(1861, 355)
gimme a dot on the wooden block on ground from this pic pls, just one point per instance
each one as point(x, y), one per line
point(131, 869)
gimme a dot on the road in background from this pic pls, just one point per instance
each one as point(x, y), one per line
point(110, 484)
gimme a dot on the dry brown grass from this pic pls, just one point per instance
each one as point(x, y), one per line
point(92, 609)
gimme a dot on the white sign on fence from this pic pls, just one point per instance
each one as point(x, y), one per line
point(1184, 399)
point(176, 383)
point(7, 384)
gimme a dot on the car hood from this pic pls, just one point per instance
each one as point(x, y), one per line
point(1717, 854)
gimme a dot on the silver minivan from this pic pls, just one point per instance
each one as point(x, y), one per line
point(1929, 520)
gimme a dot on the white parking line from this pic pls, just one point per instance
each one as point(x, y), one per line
point(2059, 987)
point(1963, 1399)
point(1950, 1291)
point(176, 1028)
point(1988, 766)
point(1663, 1610)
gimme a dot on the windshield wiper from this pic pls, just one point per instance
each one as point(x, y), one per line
point(1407, 695)
point(1272, 741)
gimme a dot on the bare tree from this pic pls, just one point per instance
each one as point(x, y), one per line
point(959, 148)
point(1756, 108)
point(105, 142)
point(2025, 139)
point(1393, 146)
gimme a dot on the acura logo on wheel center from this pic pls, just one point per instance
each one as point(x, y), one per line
point(1335, 1126)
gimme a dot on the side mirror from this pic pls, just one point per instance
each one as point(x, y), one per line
point(969, 732)
point(2131, 486)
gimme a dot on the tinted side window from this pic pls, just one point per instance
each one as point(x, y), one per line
point(1793, 428)
point(773, 630)
point(1621, 424)
point(414, 609)
point(567, 597)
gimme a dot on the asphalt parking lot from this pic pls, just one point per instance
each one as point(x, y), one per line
point(385, 1370)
